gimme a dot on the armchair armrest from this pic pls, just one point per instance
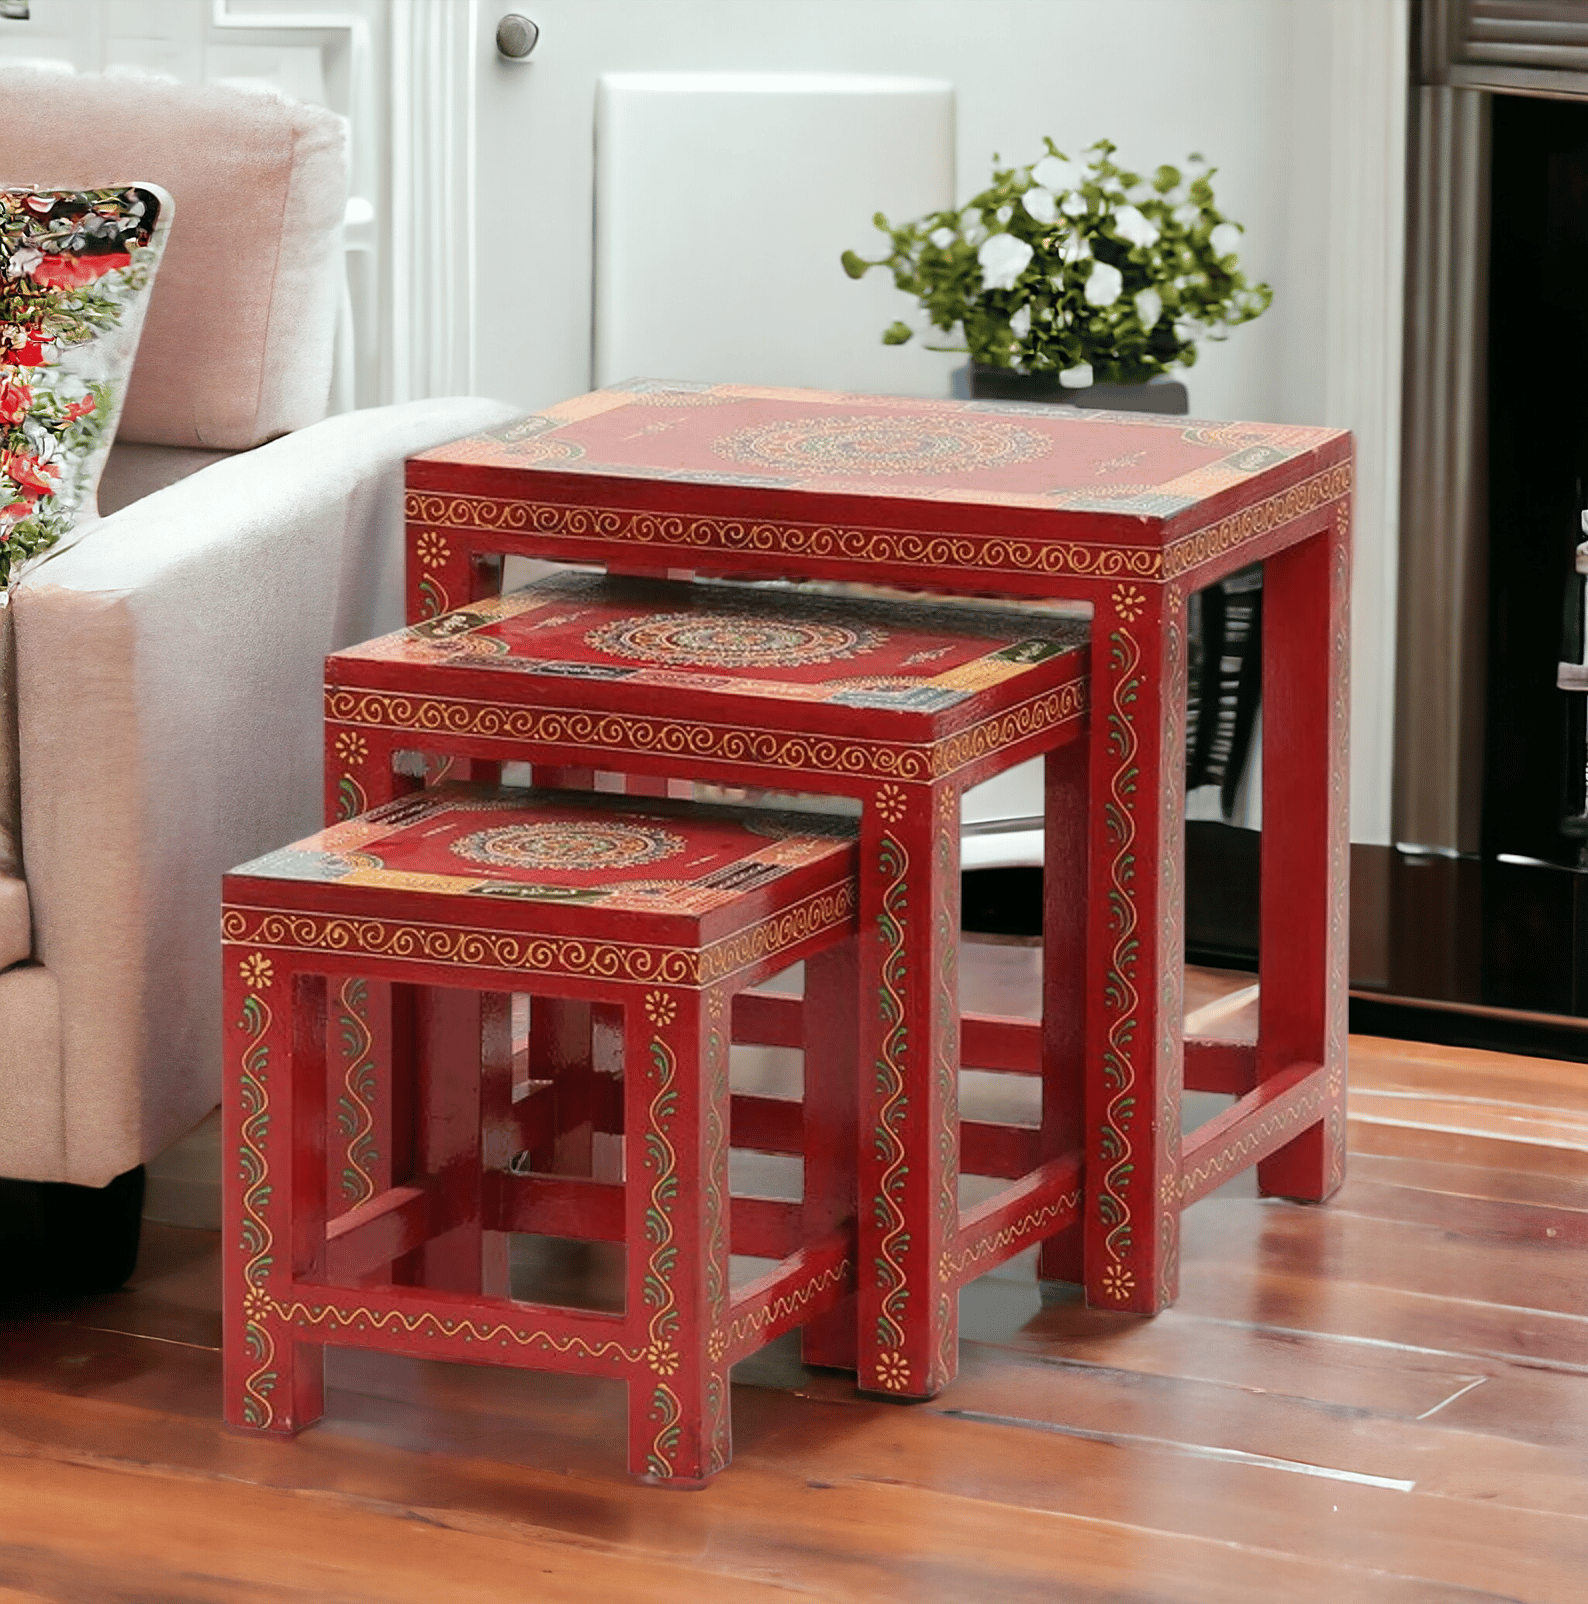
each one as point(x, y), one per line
point(169, 674)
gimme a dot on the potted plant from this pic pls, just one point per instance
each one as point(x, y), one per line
point(1078, 281)
point(1068, 275)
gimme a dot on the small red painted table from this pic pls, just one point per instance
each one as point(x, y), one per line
point(903, 707)
point(1129, 512)
point(465, 894)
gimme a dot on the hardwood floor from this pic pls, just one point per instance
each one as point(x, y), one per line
point(1384, 1399)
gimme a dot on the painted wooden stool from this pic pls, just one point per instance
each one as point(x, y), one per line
point(463, 895)
point(903, 706)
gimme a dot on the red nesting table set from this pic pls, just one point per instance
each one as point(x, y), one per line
point(393, 1115)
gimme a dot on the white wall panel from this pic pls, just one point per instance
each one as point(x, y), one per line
point(722, 204)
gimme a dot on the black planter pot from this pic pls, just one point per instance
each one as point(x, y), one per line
point(1167, 396)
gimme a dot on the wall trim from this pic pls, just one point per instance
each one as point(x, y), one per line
point(435, 56)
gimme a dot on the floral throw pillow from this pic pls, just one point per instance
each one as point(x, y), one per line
point(76, 267)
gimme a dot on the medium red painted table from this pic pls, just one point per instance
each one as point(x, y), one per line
point(1129, 512)
point(901, 706)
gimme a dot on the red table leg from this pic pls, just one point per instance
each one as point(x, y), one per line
point(273, 1188)
point(1135, 951)
point(1064, 885)
point(1303, 942)
point(676, 1116)
point(828, 1124)
point(908, 1324)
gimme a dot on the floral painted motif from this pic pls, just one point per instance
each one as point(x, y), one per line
point(75, 268)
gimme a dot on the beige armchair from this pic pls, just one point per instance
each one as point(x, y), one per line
point(168, 664)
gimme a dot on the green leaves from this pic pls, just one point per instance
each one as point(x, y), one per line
point(964, 267)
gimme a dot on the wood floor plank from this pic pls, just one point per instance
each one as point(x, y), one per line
point(1334, 1372)
point(1484, 1220)
point(1496, 1119)
point(1333, 1245)
point(1445, 1177)
point(1557, 1085)
point(1464, 1147)
point(1389, 1314)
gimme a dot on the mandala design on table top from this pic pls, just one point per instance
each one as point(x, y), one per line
point(730, 640)
point(571, 844)
point(881, 446)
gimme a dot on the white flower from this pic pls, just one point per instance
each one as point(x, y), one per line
point(1053, 172)
point(1003, 259)
point(1040, 204)
point(1130, 225)
point(1078, 377)
point(1149, 308)
point(1188, 329)
point(1077, 248)
point(23, 260)
point(1073, 205)
point(1103, 287)
point(1225, 240)
point(1020, 323)
point(975, 234)
point(942, 238)
point(1004, 213)
point(1186, 215)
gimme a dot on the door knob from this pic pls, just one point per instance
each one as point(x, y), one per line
point(516, 37)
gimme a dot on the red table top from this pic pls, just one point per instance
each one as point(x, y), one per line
point(1132, 480)
point(620, 854)
point(658, 641)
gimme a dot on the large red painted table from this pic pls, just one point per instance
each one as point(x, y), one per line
point(1129, 512)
